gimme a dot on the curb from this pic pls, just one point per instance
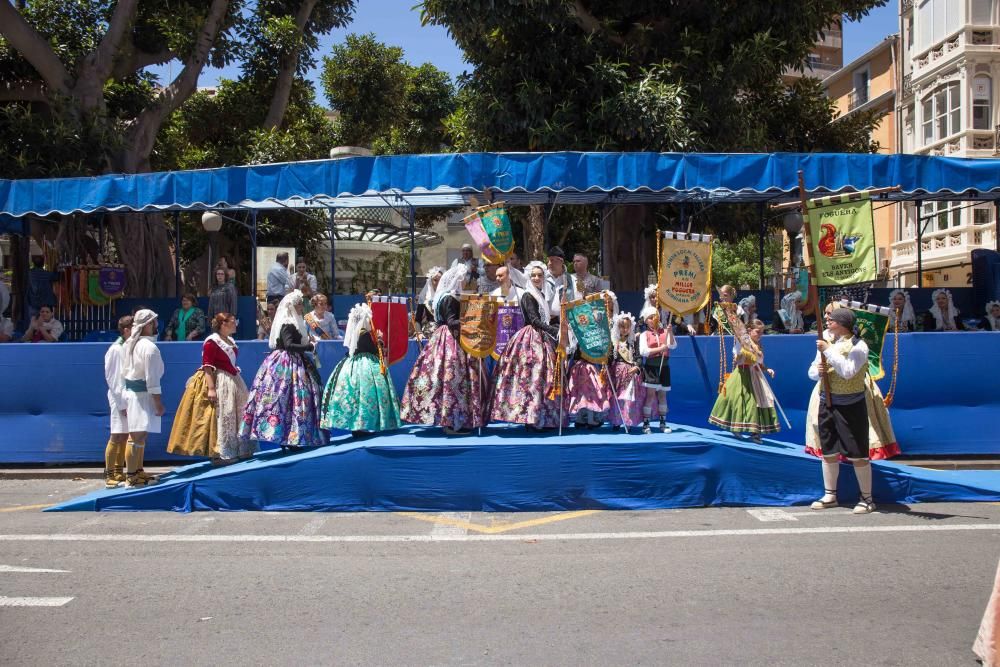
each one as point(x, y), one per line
point(65, 473)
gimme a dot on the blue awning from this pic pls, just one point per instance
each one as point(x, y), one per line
point(518, 178)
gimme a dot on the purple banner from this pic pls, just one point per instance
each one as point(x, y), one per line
point(112, 281)
point(509, 322)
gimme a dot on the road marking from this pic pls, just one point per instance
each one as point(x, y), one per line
point(452, 523)
point(452, 519)
point(539, 537)
point(22, 508)
point(771, 514)
point(33, 602)
point(28, 570)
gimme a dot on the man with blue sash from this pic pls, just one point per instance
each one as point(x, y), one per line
point(142, 369)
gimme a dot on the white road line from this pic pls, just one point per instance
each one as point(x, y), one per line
point(543, 537)
point(445, 531)
point(771, 514)
point(28, 570)
point(33, 602)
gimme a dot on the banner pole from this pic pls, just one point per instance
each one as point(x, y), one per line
point(813, 292)
point(614, 392)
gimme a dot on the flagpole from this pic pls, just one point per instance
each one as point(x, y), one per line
point(614, 392)
point(813, 292)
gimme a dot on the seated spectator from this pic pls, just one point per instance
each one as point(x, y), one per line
point(901, 309)
point(789, 317)
point(264, 321)
point(6, 329)
point(188, 322)
point(44, 328)
point(749, 306)
point(304, 281)
point(321, 322)
point(943, 315)
point(992, 320)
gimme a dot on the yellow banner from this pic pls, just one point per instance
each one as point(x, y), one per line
point(685, 272)
point(478, 318)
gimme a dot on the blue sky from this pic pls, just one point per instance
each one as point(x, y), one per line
point(395, 22)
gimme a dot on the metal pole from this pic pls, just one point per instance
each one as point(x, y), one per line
point(760, 245)
point(996, 224)
point(920, 246)
point(253, 253)
point(177, 254)
point(333, 253)
point(411, 215)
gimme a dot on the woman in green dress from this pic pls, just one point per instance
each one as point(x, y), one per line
point(746, 402)
point(359, 397)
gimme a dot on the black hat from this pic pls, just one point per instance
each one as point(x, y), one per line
point(843, 316)
point(556, 251)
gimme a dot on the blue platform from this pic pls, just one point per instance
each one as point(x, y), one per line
point(510, 469)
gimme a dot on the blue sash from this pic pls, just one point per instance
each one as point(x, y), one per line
point(136, 385)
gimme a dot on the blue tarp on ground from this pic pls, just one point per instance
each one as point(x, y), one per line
point(54, 408)
point(510, 470)
point(632, 176)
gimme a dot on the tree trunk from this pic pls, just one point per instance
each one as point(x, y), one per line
point(534, 234)
point(289, 63)
point(628, 247)
point(144, 248)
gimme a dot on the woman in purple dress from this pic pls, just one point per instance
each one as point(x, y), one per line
point(444, 388)
point(526, 371)
point(284, 403)
point(626, 372)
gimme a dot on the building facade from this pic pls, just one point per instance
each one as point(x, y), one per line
point(949, 59)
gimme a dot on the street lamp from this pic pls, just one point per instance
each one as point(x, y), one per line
point(212, 223)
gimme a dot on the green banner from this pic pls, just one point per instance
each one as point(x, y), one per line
point(490, 228)
point(872, 328)
point(588, 318)
point(843, 240)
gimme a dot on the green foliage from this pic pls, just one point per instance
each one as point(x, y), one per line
point(270, 34)
point(737, 263)
point(382, 101)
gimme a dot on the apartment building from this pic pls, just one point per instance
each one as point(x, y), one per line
point(827, 56)
point(868, 83)
point(949, 58)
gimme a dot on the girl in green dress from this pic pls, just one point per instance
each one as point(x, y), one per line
point(746, 403)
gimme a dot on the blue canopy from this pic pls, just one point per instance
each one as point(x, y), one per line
point(519, 178)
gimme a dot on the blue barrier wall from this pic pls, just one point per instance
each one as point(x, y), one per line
point(53, 407)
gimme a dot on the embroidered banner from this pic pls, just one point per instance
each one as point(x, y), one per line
point(872, 324)
point(510, 320)
point(489, 227)
point(478, 318)
point(391, 319)
point(685, 275)
point(589, 319)
point(842, 237)
point(112, 281)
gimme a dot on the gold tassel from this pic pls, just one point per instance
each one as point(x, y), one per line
point(374, 335)
point(891, 394)
point(556, 390)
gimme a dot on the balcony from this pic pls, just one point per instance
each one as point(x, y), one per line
point(856, 98)
point(967, 143)
point(943, 247)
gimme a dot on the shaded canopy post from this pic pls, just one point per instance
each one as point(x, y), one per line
point(920, 245)
point(996, 224)
point(331, 223)
point(253, 252)
point(177, 255)
point(762, 234)
point(411, 218)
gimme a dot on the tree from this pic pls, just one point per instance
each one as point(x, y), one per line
point(639, 75)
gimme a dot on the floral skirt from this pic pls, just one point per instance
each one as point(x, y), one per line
point(444, 388)
point(359, 398)
point(881, 438)
point(587, 388)
point(205, 429)
point(525, 375)
point(736, 407)
point(631, 394)
point(284, 403)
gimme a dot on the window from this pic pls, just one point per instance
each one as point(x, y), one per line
point(942, 113)
point(859, 95)
point(937, 19)
point(982, 104)
point(909, 32)
point(982, 12)
point(982, 215)
point(939, 215)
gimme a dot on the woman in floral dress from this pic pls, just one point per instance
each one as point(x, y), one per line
point(444, 387)
point(284, 403)
point(359, 396)
point(525, 373)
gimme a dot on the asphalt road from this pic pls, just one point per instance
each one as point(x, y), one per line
point(906, 586)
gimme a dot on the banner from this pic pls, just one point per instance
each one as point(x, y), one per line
point(94, 292)
point(872, 324)
point(392, 320)
point(685, 276)
point(489, 227)
point(478, 325)
point(589, 319)
point(842, 236)
point(510, 320)
point(112, 281)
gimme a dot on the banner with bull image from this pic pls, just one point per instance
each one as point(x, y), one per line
point(478, 317)
point(685, 272)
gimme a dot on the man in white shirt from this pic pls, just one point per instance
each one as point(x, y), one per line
point(489, 280)
point(114, 451)
point(142, 370)
point(506, 289)
point(585, 283)
point(279, 281)
point(304, 281)
point(557, 281)
point(843, 425)
point(475, 268)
